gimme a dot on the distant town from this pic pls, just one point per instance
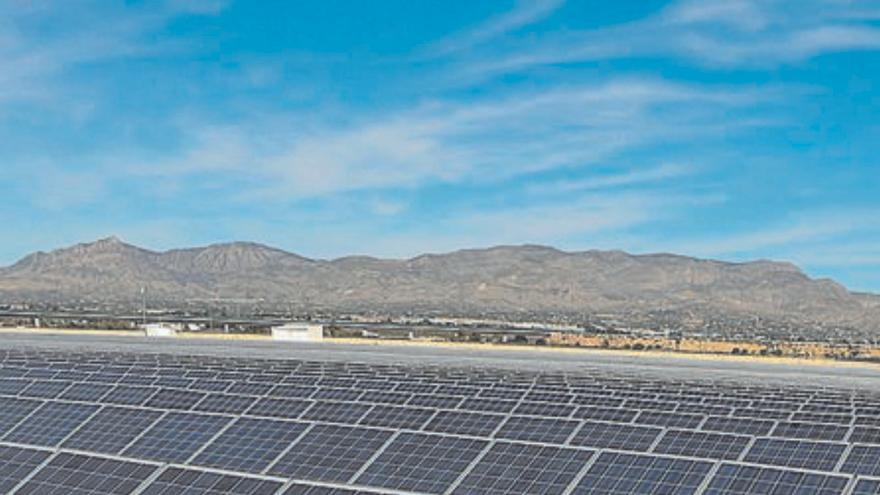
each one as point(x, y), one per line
point(659, 331)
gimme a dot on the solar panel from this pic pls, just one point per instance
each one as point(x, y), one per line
point(279, 408)
point(302, 489)
point(479, 404)
point(337, 394)
point(246, 388)
point(532, 429)
point(86, 392)
point(796, 453)
point(175, 481)
point(75, 474)
point(207, 385)
point(336, 412)
point(385, 397)
point(863, 460)
point(612, 414)
point(292, 391)
point(616, 436)
point(50, 424)
point(810, 431)
point(702, 444)
point(511, 468)
point(670, 420)
point(16, 464)
point(12, 386)
point(705, 409)
point(13, 410)
point(867, 487)
point(111, 429)
point(760, 413)
point(250, 444)
point(544, 409)
point(465, 423)
point(732, 479)
point(421, 462)
point(125, 395)
point(175, 399)
point(819, 417)
point(177, 436)
point(330, 453)
point(41, 389)
point(411, 418)
point(438, 401)
point(619, 474)
point(864, 434)
point(225, 403)
point(744, 426)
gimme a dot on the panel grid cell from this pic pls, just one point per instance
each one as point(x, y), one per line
point(225, 403)
point(86, 392)
point(182, 400)
point(616, 436)
point(537, 429)
point(796, 453)
point(178, 481)
point(336, 412)
point(16, 464)
point(330, 453)
point(74, 474)
point(623, 474)
point(250, 444)
point(810, 431)
point(421, 463)
point(731, 479)
point(13, 410)
point(176, 437)
point(465, 423)
point(510, 468)
point(279, 408)
point(867, 487)
point(111, 429)
point(398, 417)
point(50, 424)
point(863, 460)
point(744, 426)
point(701, 444)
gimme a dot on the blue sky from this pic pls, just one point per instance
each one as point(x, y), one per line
point(735, 129)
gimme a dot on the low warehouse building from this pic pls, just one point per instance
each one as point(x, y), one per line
point(298, 332)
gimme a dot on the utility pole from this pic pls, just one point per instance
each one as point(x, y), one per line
point(143, 305)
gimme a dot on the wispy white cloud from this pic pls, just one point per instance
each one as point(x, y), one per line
point(39, 42)
point(480, 141)
point(526, 12)
point(635, 177)
point(735, 33)
point(811, 228)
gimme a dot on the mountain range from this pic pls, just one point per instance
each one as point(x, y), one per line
point(514, 279)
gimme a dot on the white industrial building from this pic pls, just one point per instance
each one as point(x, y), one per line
point(159, 330)
point(298, 332)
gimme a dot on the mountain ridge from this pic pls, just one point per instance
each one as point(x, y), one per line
point(508, 278)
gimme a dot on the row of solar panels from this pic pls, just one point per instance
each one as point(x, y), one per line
point(414, 461)
point(817, 407)
point(414, 465)
point(385, 410)
point(202, 367)
point(179, 436)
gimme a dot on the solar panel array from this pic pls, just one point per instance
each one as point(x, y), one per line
point(155, 424)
